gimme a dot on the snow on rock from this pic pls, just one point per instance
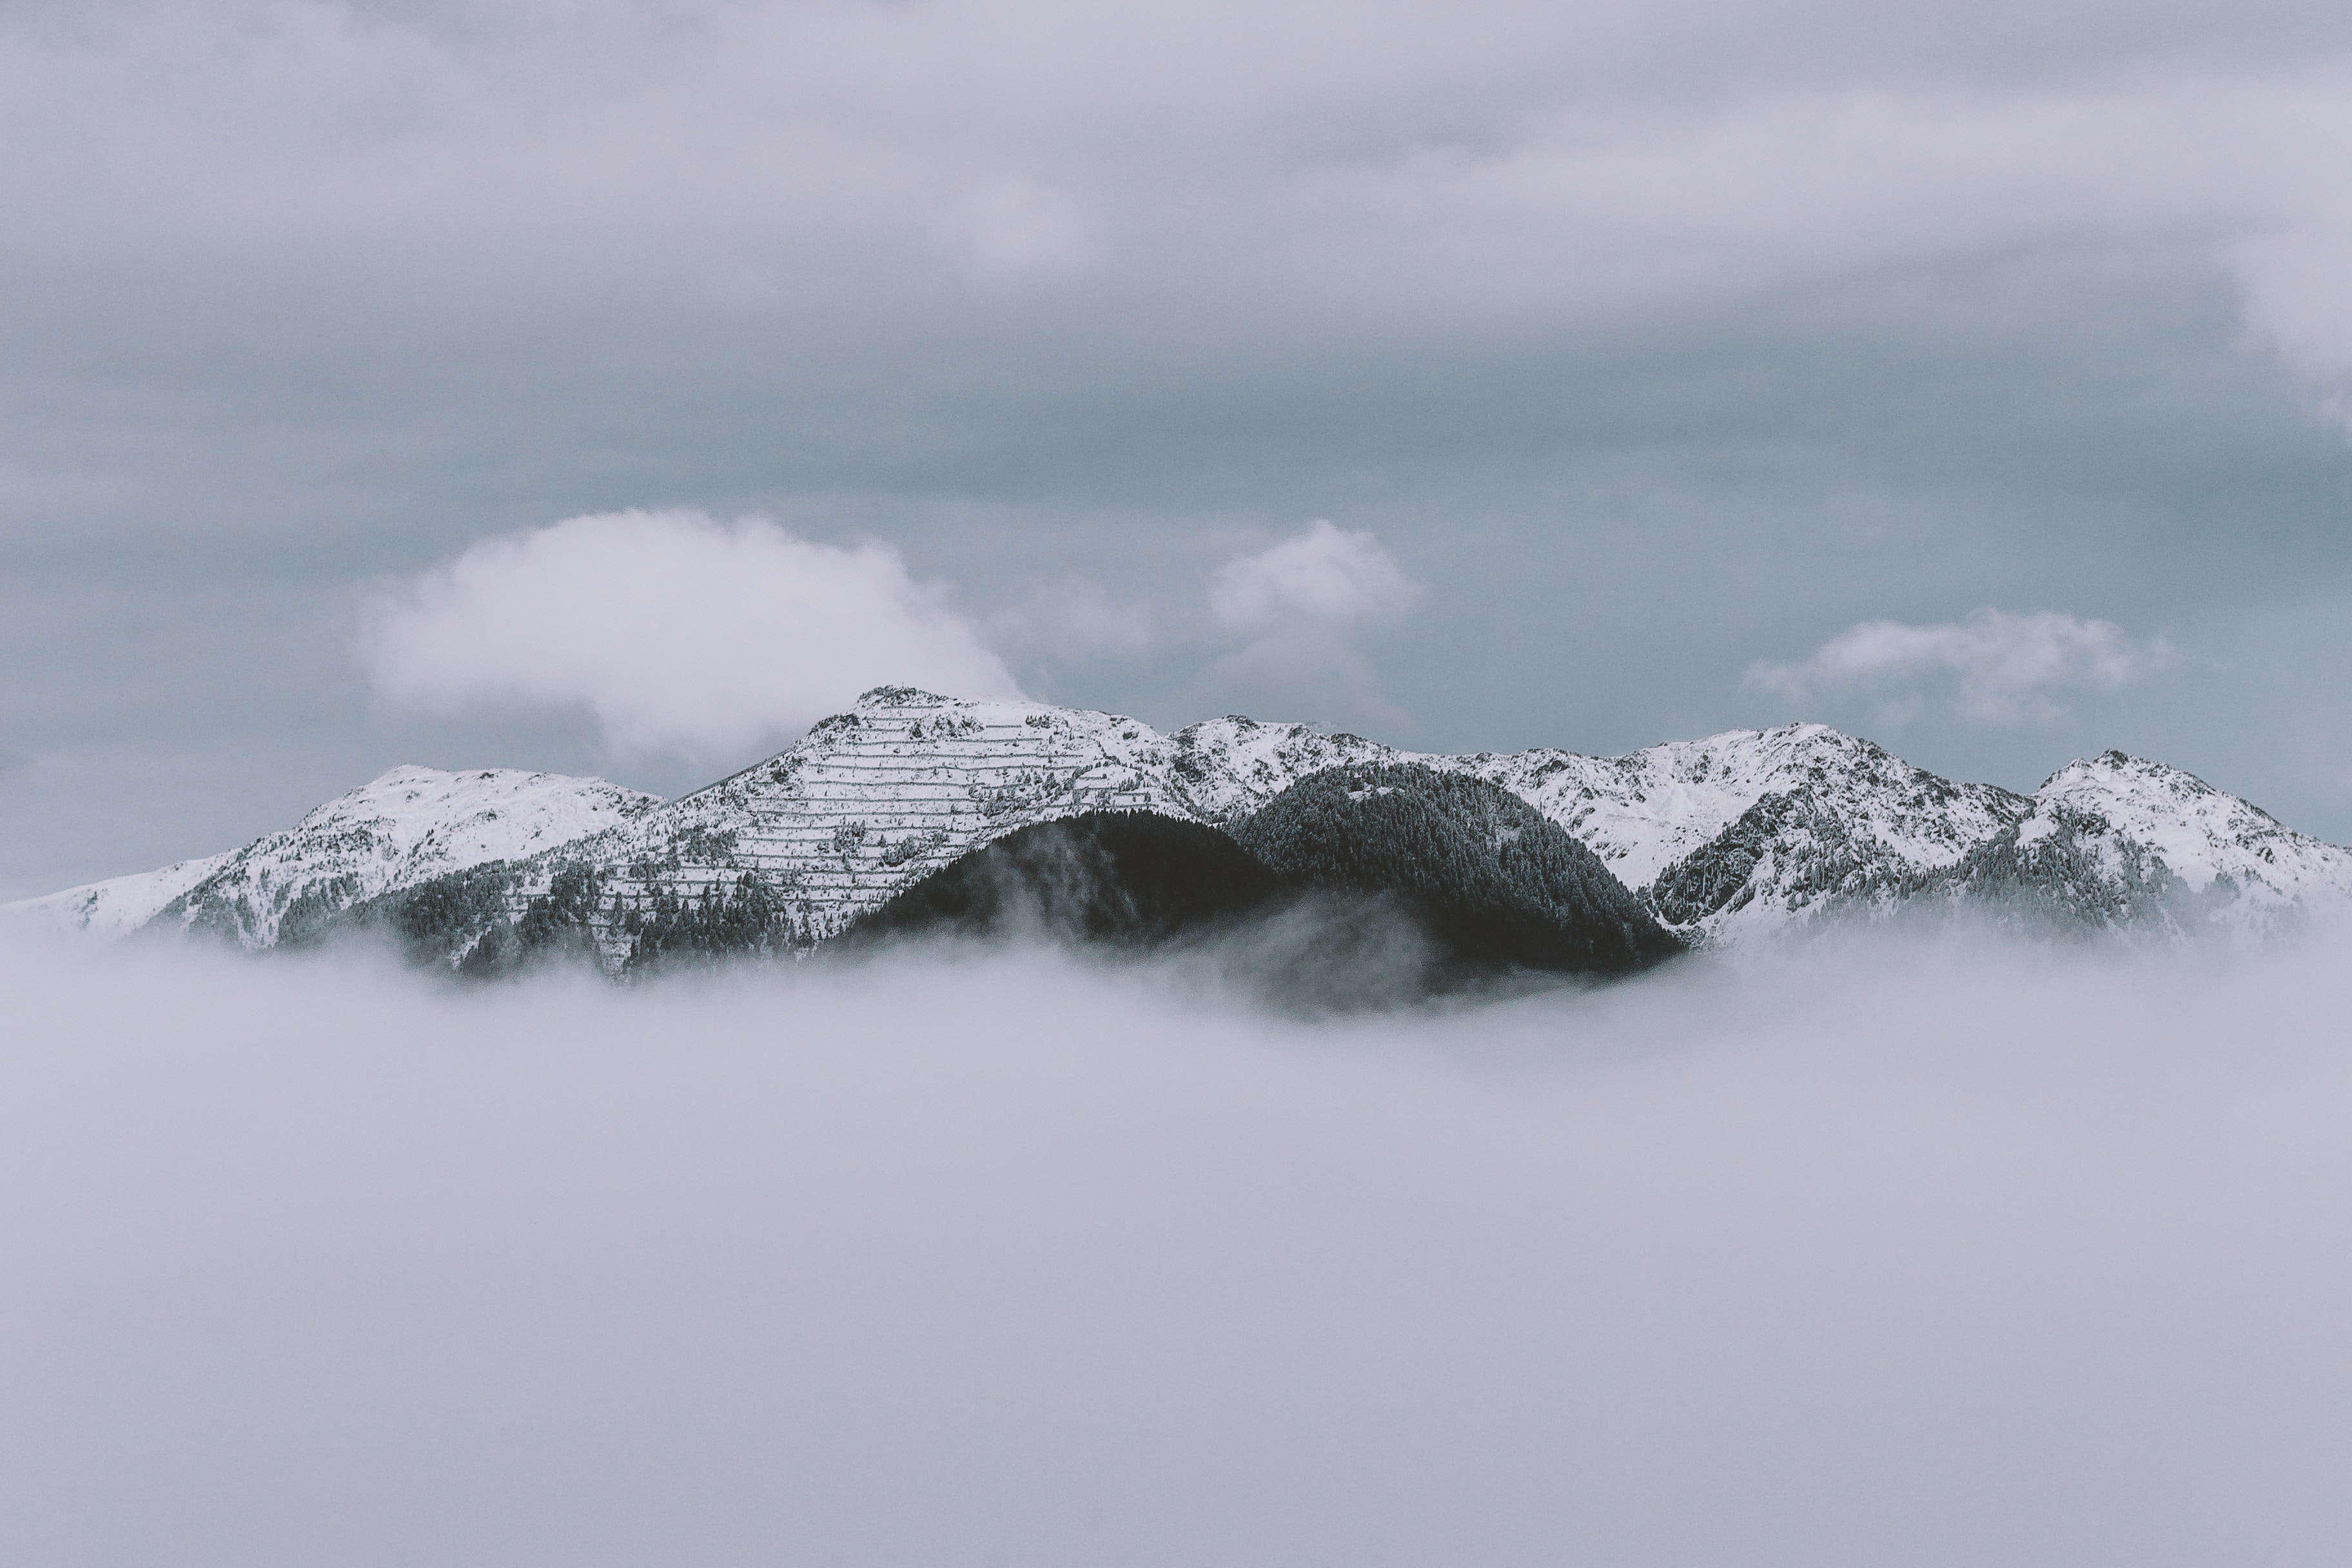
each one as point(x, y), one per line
point(1653, 808)
point(1745, 835)
point(1865, 811)
point(410, 826)
point(1227, 768)
point(2124, 842)
point(872, 799)
point(907, 781)
point(118, 906)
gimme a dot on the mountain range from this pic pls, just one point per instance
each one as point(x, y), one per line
point(1748, 836)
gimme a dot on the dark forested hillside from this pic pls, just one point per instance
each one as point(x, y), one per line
point(1127, 877)
point(1494, 883)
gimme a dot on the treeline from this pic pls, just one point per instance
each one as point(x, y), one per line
point(469, 924)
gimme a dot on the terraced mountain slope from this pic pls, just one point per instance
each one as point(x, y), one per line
point(869, 800)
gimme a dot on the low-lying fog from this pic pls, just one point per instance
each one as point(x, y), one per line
point(1913, 1255)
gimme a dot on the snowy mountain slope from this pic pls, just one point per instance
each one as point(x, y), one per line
point(1753, 833)
point(2205, 837)
point(117, 906)
point(905, 781)
point(410, 826)
point(1758, 824)
point(2121, 843)
point(1226, 768)
point(1655, 808)
point(867, 802)
point(1735, 836)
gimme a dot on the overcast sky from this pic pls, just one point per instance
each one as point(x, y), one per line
point(1973, 377)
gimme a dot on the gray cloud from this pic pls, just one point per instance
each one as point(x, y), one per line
point(1325, 575)
point(1304, 605)
point(1648, 346)
point(1993, 667)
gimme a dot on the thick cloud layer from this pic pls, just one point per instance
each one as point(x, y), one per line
point(1938, 1257)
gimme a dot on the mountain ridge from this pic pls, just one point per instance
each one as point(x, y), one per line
point(402, 828)
point(1746, 835)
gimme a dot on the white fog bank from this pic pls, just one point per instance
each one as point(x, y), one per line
point(1920, 1257)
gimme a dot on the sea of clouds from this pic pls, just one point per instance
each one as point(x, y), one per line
point(1920, 1253)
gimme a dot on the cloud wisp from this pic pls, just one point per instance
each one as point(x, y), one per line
point(1324, 575)
point(936, 1261)
point(1991, 667)
point(675, 631)
point(1301, 604)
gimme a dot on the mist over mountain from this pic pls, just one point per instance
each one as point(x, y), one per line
point(995, 783)
point(1743, 837)
point(1440, 879)
point(1495, 883)
point(1128, 879)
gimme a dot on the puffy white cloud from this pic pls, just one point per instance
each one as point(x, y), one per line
point(1326, 573)
point(677, 631)
point(1999, 667)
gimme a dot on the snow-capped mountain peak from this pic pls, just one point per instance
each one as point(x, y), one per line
point(2241, 870)
point(897, 785)
point(409, 826)
point(1749, 826)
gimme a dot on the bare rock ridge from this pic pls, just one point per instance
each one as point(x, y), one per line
point(1744, 836)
